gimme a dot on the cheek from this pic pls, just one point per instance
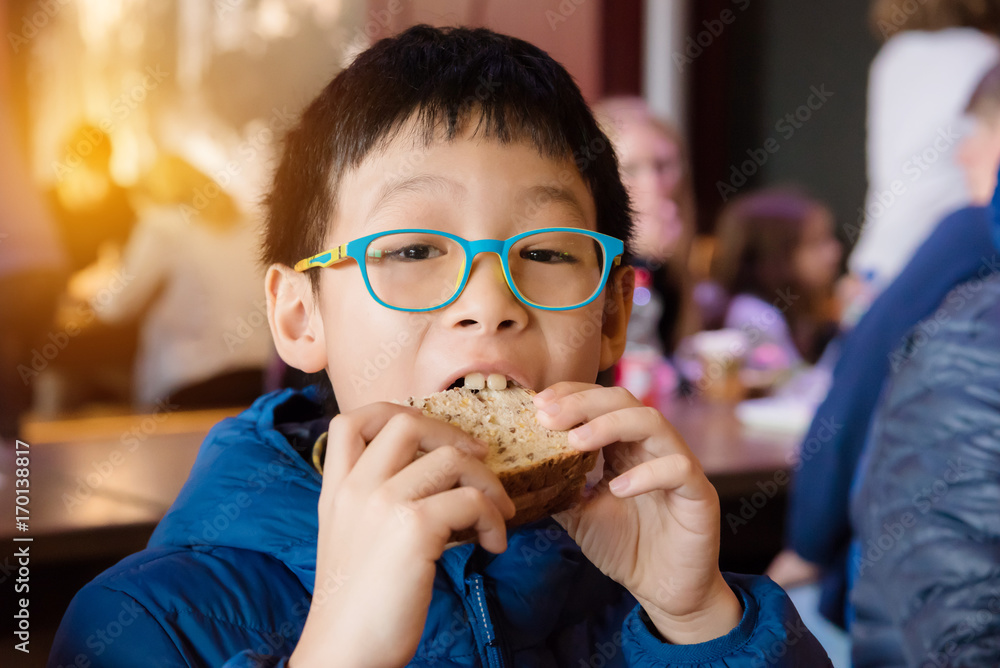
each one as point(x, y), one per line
point(370, 349)
point(575, 346)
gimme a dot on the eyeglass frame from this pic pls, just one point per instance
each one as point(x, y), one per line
point(612, 247)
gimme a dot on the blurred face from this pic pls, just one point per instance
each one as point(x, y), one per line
point(979, 156)
point(476, 189)
point(817, 259)
point(652, 171)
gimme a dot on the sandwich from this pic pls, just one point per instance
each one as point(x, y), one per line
point(537, 467)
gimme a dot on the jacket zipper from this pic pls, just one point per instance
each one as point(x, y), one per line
point(492, 645)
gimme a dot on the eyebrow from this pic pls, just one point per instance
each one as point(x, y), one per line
point(540, 195)
point(545, 194)
point(417, 184)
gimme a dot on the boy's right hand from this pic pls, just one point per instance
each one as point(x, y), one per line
point(385, 517)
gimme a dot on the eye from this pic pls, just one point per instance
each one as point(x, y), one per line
point(413, 252)
point(548, 256)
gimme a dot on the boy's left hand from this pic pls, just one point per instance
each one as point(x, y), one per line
point(658, 535)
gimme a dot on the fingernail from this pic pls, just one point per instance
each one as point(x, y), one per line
point(580, 434)
point(550, 409)
point(619, 485)
point(544, 396)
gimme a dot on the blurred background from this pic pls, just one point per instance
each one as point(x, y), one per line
point(137, 138)
point(121, 109)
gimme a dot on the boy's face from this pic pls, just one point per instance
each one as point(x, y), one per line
point(477, 189)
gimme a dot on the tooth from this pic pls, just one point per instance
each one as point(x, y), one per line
point(497, 381)
point(475, 381)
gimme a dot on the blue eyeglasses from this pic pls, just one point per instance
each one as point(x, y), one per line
point(553, 268)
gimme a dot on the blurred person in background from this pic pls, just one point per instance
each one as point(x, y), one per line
point(777, 258)
point(32, 273)
point(961, 248)
point(925, 562)
point(95, 218)
point(934, 53)
point(189, 271)
point(655, 167)
point(94, 214)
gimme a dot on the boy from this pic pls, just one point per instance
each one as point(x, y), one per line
point(479, 136)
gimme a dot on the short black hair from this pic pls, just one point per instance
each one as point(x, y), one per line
point(446, 77)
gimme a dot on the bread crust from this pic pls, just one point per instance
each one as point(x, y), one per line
point(540, 480)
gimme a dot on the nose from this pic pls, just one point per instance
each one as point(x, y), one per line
point(487, 304)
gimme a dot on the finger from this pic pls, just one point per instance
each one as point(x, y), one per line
point(588, 402)
point(397, 444)
point(443, 469)
point(558, 390)
point(679, 473)
point(350, 433)
point(642, 424)
point(462, 508)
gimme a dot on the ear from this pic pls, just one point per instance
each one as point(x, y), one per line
point(295, 320)
point(617, 309)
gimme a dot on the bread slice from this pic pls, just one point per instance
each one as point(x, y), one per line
point(537, 467)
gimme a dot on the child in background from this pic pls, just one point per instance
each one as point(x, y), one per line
point(264, 562)
point(777, 257)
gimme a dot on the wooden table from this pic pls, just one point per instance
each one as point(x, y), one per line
point(100, 485)
point(100, 489)
point(734, 457)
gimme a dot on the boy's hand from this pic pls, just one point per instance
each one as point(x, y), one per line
point(384, 520)
point(657, 534)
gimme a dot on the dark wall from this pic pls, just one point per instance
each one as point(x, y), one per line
point(751, 91)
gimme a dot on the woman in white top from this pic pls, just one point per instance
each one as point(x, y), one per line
point(935, 53)
point(188, 271)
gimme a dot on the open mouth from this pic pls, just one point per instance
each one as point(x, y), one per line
point(478, 381)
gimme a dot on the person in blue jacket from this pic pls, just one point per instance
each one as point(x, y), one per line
point(924, 564)
point(446, 206)
point(960, 249)
point(925, 561)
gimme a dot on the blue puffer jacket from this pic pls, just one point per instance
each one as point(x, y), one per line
point(228, 577)
point(926, 505)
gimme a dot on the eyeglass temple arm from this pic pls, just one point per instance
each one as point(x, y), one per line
point(327, 258)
